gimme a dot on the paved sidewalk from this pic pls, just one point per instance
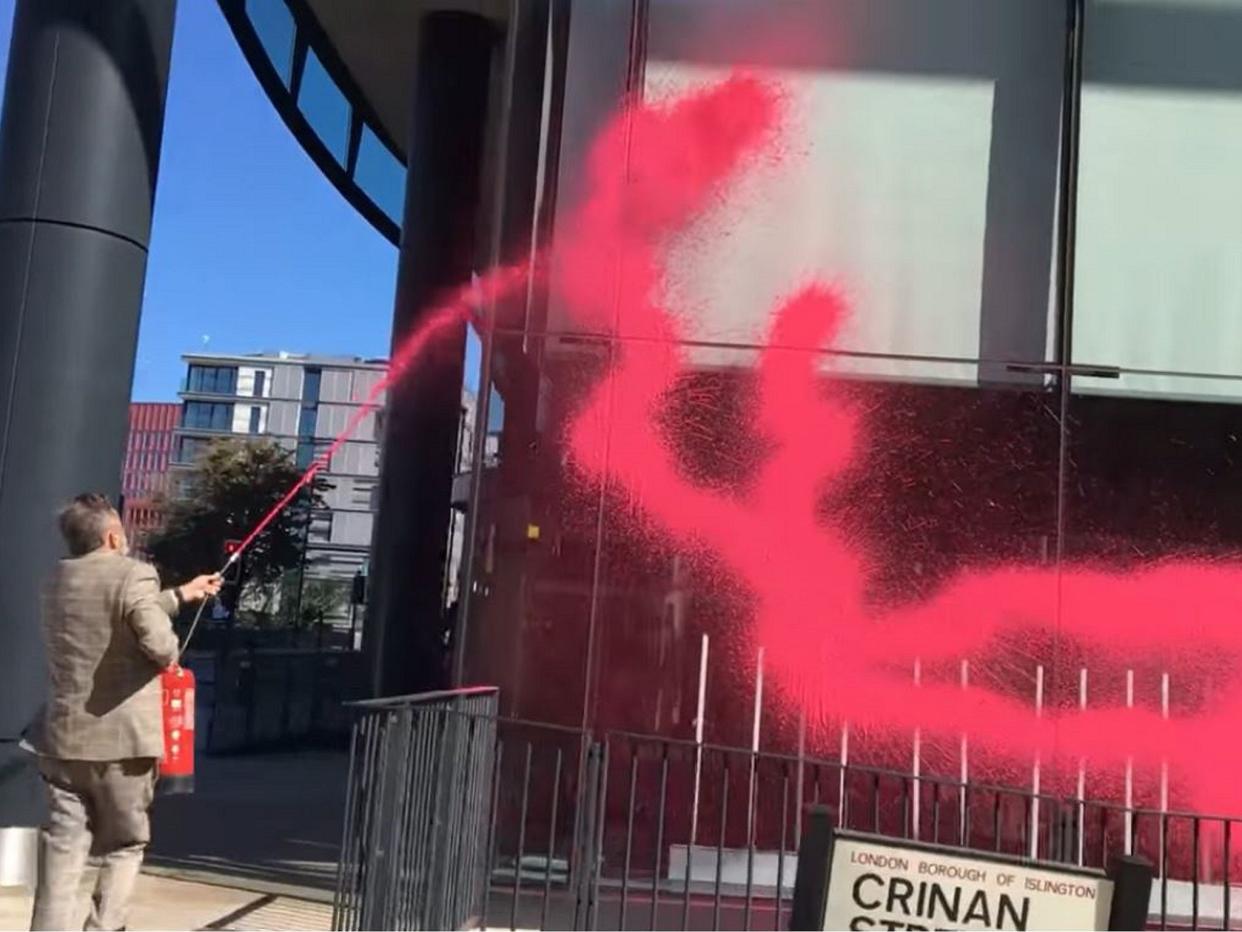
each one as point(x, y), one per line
point(162, 903)
point(254, 848)
point(273, 818)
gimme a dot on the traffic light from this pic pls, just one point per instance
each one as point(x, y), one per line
point(359, 594)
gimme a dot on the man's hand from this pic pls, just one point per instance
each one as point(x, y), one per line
point(200, 588)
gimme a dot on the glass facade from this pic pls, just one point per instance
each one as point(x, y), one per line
point(273, 24)
point(1158, 282)
point(308, 417)
point(325, 107)
point(190, 449)
point(311, 379)
point(305, 453)
point(215, 380)
point(207, 415)
point(306, 422)
point(381, 175)
point(951, 452)
point(318, 96)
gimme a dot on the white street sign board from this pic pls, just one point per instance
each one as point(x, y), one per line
point(874, 884)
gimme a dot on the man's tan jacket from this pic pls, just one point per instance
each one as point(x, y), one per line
point(108, 631)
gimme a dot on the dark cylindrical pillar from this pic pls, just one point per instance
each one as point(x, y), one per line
point(405, 625)
point(79, 149)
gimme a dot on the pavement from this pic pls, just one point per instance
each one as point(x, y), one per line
point(164, 903)
point(254, 847)
point(269, 820)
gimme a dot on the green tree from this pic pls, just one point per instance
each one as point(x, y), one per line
point(232, 487)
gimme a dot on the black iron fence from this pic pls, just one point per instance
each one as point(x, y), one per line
point(622, 831)
point(418, 812)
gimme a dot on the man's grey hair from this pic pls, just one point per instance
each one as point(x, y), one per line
point(84, 523)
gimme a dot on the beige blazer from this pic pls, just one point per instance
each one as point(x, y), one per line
point(108, 632)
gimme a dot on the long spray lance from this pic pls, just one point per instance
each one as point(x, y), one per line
point(258, 529)
point(457, 309)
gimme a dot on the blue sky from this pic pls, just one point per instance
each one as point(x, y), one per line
point(252, 249)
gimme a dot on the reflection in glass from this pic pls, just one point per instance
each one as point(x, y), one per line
point(986, 537)
point(310, 386)
point(945, 483)
point(1153, 512)
point(206, 415)
point(381, 175)
point(1154, 479)
point(916, 170)
point(216, 380)
point(273, 24)
point(189, 449)
point(495, 428)
point(325, 107)
point(305, 453)
point(535, 543)
point(1159, 284)
point(306, 421)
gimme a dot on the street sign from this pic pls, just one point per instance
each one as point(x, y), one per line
point(848, 880)
point(876, 885)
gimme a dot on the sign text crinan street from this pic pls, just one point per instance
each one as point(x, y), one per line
point(877, 885)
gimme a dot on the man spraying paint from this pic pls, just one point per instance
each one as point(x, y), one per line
point(108, 633)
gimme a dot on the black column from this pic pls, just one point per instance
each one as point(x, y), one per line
point(79, 149)
point(534, 29)
point(439, 244)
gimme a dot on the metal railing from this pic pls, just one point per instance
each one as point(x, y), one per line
point(417, 812)
point(559, 828)
point(655, 833)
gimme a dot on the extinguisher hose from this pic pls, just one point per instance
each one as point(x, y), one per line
point(193, 626)
point(198, 614)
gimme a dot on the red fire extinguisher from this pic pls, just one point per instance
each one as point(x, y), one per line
point(177, 765)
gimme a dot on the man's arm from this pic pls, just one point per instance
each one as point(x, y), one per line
point(149, 612)
point(169, 602)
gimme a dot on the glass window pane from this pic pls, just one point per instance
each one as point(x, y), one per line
point(325, 107)
point(915, 171)
point(306, 454)
point(306, 422)
point(381, 175)
point(310, 386)
point(472, 371)
point(220, 380)
point(191, 448)
point(495, 428)
point(255, 415)
point(273, 24)
point(1158, 281)
point(260, 383)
